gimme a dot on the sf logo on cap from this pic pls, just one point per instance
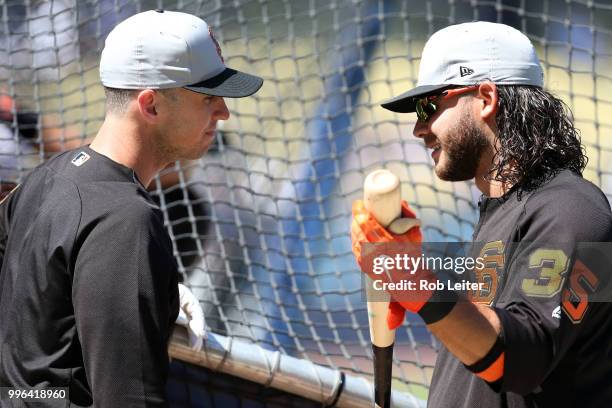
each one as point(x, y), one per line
point(212, 37)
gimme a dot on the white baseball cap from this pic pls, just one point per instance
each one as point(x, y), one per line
point(470, 53)
point(161, 49)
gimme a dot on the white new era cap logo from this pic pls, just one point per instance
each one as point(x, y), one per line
point(465, 71)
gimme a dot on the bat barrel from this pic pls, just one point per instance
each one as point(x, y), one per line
point(381, 196)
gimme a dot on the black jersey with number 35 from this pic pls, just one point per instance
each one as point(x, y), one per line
point(557, 340)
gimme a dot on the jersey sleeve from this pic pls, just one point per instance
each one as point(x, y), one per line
point(545, 302)
point(125, 298)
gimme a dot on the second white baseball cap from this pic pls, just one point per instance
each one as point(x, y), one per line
point(470, 53)
point(161, 49)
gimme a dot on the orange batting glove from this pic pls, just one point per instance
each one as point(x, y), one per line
point(365, 229)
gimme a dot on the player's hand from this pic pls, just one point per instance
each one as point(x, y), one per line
point(365, 229)
point(191, 316)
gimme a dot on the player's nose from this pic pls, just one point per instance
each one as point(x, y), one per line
point(221, 110)
point(421, 129)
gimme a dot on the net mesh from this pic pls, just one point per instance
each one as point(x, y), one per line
point(260, 224)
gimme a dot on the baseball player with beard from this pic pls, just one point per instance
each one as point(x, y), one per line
point(533, 337)
point(88, 286)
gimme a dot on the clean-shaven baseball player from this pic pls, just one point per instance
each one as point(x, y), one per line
point(533, 337)
point(88, 288)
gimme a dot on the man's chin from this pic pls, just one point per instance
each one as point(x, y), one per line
point(452, 175)
point(201, 150)
point(198, 153)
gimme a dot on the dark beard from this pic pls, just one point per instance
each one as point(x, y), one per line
point(463, 149)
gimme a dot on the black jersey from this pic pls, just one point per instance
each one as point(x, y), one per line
point(88, 285)
point(558, 353)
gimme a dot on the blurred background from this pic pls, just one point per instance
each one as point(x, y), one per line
point(260, 224)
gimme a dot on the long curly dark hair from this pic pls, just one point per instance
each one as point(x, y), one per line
point(537, 138)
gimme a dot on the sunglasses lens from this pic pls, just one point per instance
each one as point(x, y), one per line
point(425, 108)
point(419, 110)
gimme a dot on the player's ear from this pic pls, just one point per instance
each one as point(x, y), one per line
point(147, 101)
point(489, 98)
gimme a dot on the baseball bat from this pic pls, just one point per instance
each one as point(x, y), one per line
point(382, 198)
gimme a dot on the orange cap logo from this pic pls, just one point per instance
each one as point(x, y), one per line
point(212, 37)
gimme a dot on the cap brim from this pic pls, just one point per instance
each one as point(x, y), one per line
point(229, 84)
point(405, 102)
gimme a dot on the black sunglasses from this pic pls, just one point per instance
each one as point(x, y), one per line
point(427, 106)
